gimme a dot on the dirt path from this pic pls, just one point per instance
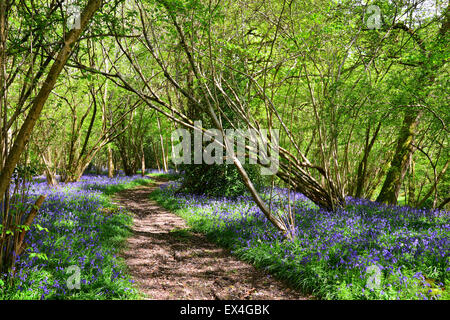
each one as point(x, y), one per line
point(167, 261)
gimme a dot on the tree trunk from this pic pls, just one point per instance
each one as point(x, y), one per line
point(110, 163)
point(98, 169)
point(142, 159)
point(128, 167)
point(156, 157)
point(162, 146)
point(412, 184)
point(49, 172)
point(399, 164)
point(77, 171)
point(362, 168)
point(38, 103)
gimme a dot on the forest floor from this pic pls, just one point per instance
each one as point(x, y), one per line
point(169, 261)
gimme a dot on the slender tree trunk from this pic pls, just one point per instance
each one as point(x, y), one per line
point(98, 170)
point(171, 145)
point(412, 183)
point(49, 172)
point(142, 159)
point(128, 167)
point(362, 168)
point(162, 146)
point(110, 163)
point(399, 164)
point(155, 151)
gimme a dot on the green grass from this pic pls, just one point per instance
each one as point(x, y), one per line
point(168, 176)
point(109, 190)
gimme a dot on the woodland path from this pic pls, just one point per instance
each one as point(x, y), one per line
point(168, 261)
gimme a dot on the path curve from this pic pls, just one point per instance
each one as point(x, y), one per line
point(168, 261)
